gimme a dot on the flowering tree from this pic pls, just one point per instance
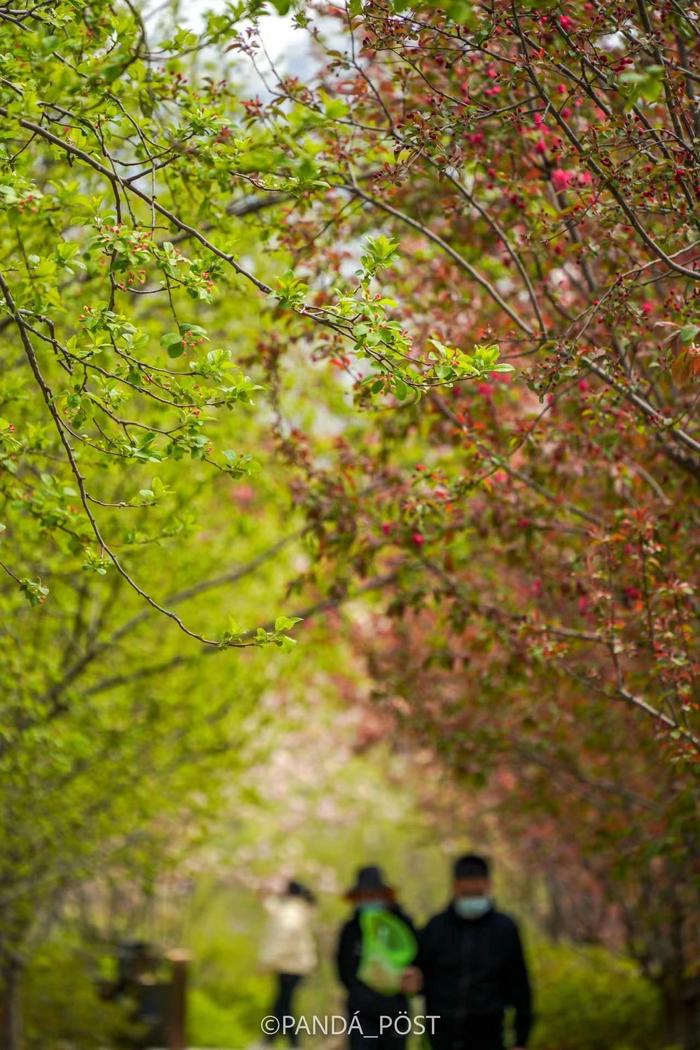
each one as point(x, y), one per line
point(535, 170)
point(537, 166)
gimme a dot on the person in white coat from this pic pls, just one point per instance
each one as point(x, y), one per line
point(288, 950)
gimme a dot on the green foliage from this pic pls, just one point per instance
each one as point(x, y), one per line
point(452, 364)
point(589, 999)
point(646, 84)
point(62, 1006)
point(229, 996)
point(379, 252)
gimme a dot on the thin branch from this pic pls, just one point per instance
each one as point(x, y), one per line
point(452, 252)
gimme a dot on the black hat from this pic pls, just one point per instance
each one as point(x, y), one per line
point(471, 865)
point(298, 889)
point(369, 880)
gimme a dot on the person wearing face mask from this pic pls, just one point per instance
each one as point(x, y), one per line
point(472, 968)
point(369, 894)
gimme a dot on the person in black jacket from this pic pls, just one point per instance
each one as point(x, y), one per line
point(472, 966)
point(365, 1004)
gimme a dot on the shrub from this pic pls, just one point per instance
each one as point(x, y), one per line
point(229, 996)
point(589, 999)
point(62, 1009)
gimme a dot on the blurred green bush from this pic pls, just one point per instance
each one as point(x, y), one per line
point(589, 999)
point(62, 1010)
point(229, 996)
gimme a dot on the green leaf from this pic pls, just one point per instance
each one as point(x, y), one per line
point(401, 389)
point(172, 342)
point(34, 591)
point(283, 623)
point(646, 84)
point(334, 108)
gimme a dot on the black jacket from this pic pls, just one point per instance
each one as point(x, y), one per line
point(349, 953)
point(475, 966)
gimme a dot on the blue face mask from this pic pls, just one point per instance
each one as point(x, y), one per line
point(472, 907)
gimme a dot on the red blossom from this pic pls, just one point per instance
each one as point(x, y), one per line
point(561, 179)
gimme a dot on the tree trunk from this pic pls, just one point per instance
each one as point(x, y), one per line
point(10, 1006)
point(682, 1015)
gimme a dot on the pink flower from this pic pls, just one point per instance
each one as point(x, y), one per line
point(561, 179)
point(647, 307)
point(243, 494)
point(418, 538)
point(565, 22)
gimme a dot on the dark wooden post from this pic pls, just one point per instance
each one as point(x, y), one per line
point(10, 1017)
point(177, 1008)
